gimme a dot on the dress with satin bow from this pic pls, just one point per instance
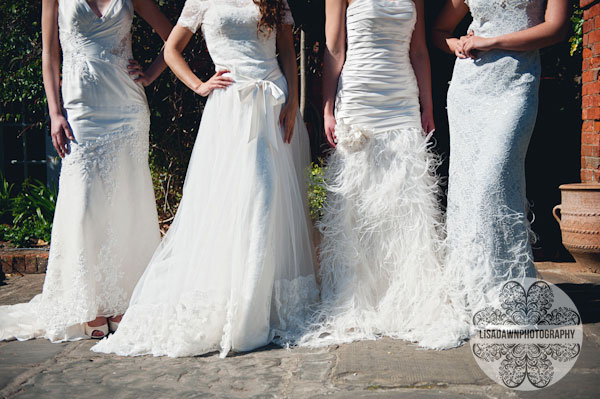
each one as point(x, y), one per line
point(235, 270)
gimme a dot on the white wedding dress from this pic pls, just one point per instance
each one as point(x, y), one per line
point(105, 224)
point(492, 109)
point(235, 270)
point(381, 254)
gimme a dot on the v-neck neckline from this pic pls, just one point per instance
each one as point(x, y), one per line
point(104, 14)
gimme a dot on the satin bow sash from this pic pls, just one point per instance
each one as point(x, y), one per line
point(264, 95)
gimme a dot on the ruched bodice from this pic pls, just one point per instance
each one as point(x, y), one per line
point(380, 253)
point(229, 28)
point(377, 87)
point(97, 49)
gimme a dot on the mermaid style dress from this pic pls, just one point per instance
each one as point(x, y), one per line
point(105, 225)
point(492, 109)
point(235, 270)
point(381, 253)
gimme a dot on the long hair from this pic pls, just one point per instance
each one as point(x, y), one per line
point(271, 15)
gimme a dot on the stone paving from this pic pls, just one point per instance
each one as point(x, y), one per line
point(375, 369)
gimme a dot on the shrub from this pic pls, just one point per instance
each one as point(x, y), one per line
point(32, 211)
point(576, 39)
point(316, 190)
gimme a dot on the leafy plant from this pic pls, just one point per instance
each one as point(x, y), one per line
point(317, 194)
point(32, 211)
point(5, 198)
point(576, 39)
point(36, 202)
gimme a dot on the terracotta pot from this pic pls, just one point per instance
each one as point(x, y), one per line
point(579, 219)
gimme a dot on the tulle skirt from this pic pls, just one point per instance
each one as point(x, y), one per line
point(235, 270)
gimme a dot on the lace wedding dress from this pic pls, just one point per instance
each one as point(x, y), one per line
point(105, 225)
point(235, 270)
point(381, 253)
point(492, 109)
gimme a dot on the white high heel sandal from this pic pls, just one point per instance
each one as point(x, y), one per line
point(89, 331)
point(113, 325)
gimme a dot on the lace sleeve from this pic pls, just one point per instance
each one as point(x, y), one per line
point(288, 19)
point(192, 14)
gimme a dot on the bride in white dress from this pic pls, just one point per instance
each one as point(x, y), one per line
point(492, 110)
point(235, 270)
point(105, 224)
point(381, 253)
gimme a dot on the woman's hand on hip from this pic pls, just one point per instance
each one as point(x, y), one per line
point(217, 81)
point(329, 126)
point(135, 70)
point(61, 134)
point(287, 119)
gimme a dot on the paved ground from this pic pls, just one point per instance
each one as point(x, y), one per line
point(380, 369)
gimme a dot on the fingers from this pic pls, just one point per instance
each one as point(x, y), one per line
point(222, 79)
point(282, 117)
point(63, 143)
point(134, 67)
point(57, 147)
point(287, 120)
point(459, 48)
point(469, 49)
point(68, 131)
point(289, 128)
point(60, 144)
point(329, 134)
point(217, 81)
point(141, 76)
point(221, 72)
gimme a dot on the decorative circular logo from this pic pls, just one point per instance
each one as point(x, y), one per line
point(531, 339)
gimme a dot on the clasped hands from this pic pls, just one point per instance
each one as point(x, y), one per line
point(470, 45)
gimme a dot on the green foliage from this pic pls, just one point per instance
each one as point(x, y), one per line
point(316, 190)
point(175, 111)
point(21, 86)
point(34, 202)
point(576, 39)
point(5, 198)
point(32, 211)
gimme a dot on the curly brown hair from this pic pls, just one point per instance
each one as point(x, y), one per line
point(271, 15)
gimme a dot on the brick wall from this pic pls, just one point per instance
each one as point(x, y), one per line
point(23, 261)
point(590, 132)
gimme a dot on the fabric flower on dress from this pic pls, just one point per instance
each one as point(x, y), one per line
point(352, 138)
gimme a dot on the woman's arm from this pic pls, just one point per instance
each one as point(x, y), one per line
point(442, 33)
point(59, 127)
point(287, 59)
point(178, 39)
point(551, 31)
point(419, 58)
point(333, 60)
point(150, 12)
